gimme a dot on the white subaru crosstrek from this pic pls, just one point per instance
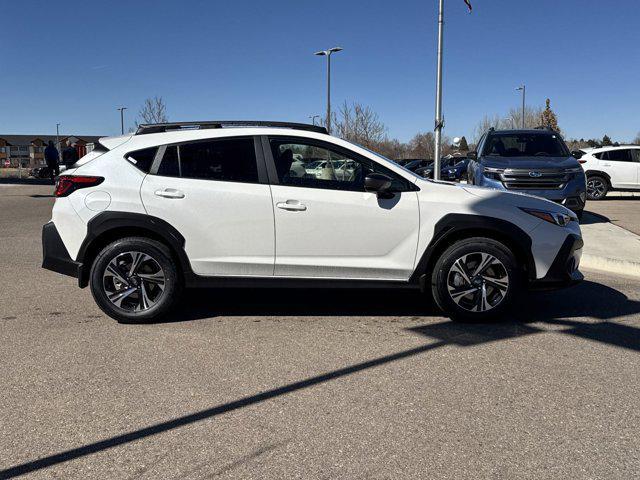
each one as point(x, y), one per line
point(610, 168)
point(213, 204)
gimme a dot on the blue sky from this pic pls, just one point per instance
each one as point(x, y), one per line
point(74, 62)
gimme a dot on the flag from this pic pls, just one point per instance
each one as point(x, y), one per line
point(468, 2)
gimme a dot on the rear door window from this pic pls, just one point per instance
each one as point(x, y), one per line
point(229, 160)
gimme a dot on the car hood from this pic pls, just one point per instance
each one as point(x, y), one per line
point(532, 163)
point(516, 199)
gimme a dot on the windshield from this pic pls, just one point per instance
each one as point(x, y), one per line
point(525, 145)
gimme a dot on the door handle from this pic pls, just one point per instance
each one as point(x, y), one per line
point(292, 205)
point(169, 193)
point(606, 164)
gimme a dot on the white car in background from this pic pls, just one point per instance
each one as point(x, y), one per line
point(611, 168)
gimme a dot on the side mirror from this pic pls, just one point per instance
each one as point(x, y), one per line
point(378, 183)
point(472, 155)
point(577, 154)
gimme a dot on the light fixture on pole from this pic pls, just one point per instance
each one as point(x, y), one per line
point(122, 109)
point(313, 118)
point(327, 53)
point(522, 88)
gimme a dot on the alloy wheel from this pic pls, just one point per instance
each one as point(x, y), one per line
point(596, 187)
point(134, 281)
point(477, 282)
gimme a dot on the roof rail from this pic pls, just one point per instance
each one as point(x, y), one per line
point(172, 126)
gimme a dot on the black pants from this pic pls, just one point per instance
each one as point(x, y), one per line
point(54, 171)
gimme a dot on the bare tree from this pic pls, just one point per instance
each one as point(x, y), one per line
point(153, 110)
point(636, 140)
point(359, 124)
point(485, 124)
point(422, 145)
point(532, 116)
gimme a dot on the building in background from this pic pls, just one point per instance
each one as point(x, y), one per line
point(28, 150)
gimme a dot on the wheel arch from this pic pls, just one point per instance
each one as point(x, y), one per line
point(108, 227)
point(455, 227)
point(598, 173)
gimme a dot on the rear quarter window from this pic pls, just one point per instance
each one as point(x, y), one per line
point(142, 159)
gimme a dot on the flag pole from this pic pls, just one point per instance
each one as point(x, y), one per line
point(439, 123)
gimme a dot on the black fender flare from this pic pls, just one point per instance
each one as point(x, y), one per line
point(600, 173)
point(455, 226)
point(108, 221)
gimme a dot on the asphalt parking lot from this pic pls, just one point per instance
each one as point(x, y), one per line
point(309, 384)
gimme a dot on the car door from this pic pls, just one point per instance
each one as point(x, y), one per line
point(619, 164)
point(328, 226)
point(216, 194)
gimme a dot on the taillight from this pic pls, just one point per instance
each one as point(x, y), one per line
point(582, 161)
point(68, 184)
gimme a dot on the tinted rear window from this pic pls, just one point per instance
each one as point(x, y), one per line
point(231, 160)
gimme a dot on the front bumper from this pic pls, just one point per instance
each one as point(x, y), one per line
point(55, 256)
point(564, 269)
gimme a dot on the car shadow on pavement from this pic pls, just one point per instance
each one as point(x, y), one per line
point(545, 313)
point(590, 218)
point(588, 299)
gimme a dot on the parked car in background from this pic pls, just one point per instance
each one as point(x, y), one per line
point(40, 172)
point(415, 164)
point(454, 169)
point(610, 168)
point(216, 204)
point(536, 162)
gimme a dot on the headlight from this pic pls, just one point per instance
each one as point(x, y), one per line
point(560, 219)
point(451, 172)
point(492, 173)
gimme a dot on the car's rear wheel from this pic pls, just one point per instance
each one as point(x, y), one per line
point(597, 187)
point(135, 280)
point(475, 279)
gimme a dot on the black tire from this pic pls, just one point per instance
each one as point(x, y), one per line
point(446, 282)
point(580, 214)
point(156, 263)
point(597, 187)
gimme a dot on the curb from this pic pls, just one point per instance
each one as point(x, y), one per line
point(610, 265)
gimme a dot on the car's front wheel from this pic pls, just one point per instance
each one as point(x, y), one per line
point(135, 280)
point(475, 279)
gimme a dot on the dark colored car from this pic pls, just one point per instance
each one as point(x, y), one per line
point(454, 168)
point(413, 165)
point(536, 162)
point(40, 172)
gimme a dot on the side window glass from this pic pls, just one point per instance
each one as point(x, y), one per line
point(308, 165)
point(169, 167)
point(143, 159)
point(619, 155)
point(635, 154)
point(231, 160)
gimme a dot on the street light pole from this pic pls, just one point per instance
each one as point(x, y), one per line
point(327, 53)
point(58, 137)
point(122, 109)
point(313, 118)
point(523, 88)
point(439, 123)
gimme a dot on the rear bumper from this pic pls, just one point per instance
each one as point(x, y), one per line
point(55, 256)
point(564, 269)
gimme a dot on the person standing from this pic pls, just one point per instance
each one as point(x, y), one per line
point(52, 157)
point(69, 154)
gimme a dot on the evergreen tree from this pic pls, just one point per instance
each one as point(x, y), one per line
point(464, 146)
point(548, 118)
point(606, 141)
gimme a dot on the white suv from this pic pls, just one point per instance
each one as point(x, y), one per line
point(216, 204)
point(610, 168)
